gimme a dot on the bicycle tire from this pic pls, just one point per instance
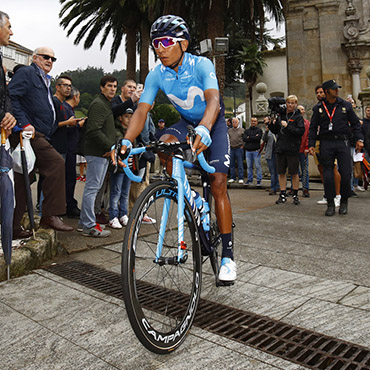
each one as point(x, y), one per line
point(160, 301)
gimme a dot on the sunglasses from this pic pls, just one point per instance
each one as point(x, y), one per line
point(47, 57)
point(166, 42)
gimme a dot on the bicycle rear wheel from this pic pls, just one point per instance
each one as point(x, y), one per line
point(160, 299)
point(215, 238)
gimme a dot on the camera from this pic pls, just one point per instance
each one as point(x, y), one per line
point(277, 105)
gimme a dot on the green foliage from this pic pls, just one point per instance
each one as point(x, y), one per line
point(86, 80)
point(166, 112)
point(85, 101)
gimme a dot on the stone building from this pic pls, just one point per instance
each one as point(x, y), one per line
point(15, 54)
point(327, 39)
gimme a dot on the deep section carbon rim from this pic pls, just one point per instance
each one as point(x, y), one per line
point(163, 325)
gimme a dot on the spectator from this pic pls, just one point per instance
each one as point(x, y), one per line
point(81, 161)
point(252, 142)
point(332, 117)
point(65, 139)
point(366, 129)
point(356, 166)
point(269, 140)
point(7, 121)
point(128, 99)
point(159, 130)
point(100, 136)
point(229, 123)
point(73, 133)
point(289, 128)
point(138, 187)
point(236, 150)
point(128, 91)
point(33, 108)
point(320, 95)
point(119, 182)
point(303, 155)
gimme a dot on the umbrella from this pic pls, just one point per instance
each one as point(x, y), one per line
point(27, 185)
point(6, 202)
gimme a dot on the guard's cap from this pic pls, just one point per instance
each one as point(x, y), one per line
point(330, 84)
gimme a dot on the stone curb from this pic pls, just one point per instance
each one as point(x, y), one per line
point(32, 254)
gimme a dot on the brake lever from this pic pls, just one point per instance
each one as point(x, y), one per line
point(116, 155)
point(192, 134)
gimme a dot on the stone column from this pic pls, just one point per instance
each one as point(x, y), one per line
point(355, 67)
point(364, 95)
point(261, 102)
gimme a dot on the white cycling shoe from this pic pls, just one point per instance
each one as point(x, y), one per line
point(227, 270)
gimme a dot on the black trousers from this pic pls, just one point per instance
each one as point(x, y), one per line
point(340, 150)
point(70, 167)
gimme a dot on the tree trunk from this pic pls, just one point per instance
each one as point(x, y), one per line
point(144, 52)
point(216, 28)
point(131, 54)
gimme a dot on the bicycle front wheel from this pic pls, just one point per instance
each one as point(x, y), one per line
point(160, 298)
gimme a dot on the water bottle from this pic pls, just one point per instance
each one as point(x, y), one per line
point(205, 212)
point(203, 207)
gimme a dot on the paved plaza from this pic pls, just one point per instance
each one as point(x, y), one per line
point(294, 265)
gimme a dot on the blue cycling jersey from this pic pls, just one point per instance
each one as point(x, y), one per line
point(185, 89)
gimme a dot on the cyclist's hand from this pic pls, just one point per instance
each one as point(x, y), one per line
point(203, 139)
point(125, 145)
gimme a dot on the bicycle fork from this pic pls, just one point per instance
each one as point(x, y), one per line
point(183, 189)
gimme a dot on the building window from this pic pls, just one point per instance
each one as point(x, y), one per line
point(8, 52)
point(21, 58)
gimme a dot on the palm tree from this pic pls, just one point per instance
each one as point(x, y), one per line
point(108, 16)
point(251, 66)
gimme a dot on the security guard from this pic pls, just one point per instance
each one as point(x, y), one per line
point(333, 118)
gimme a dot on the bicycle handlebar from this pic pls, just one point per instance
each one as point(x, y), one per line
point(202, 161)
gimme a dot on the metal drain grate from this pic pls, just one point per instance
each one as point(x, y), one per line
point(291, 343)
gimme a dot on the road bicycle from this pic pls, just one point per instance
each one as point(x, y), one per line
point(162, 261)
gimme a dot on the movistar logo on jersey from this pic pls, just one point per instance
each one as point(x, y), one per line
point(188, 103)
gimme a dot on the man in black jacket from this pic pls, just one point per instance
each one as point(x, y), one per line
point(289, 128)
point(252, 142)
point(335, 118)
point(366, 128)
point(7, 121)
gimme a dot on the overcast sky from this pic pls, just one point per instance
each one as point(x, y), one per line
point(35, 23)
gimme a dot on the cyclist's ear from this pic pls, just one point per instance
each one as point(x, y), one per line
point(184, 45)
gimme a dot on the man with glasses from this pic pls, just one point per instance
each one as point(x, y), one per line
point(190, 83)
point(63, 139)
point(33, 107)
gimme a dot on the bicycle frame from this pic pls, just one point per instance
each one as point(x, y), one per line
point(183, 192)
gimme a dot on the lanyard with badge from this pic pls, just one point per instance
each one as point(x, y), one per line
point(330, 116)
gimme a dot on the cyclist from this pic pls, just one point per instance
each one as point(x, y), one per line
point(191, 85)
